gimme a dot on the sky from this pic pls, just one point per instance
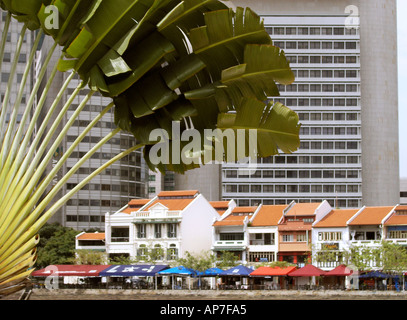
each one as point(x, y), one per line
point(402, 83)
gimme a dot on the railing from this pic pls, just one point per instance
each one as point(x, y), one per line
point(230, 243)
point(160, 215)
point(120, 239)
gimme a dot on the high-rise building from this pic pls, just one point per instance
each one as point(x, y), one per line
point(344, 56)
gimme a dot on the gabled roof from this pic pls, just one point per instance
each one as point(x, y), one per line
point(268, 215)
point(371, 216)
point(178, 193)
point(171, 204)
point(231, 220)
point(220, 206)
point(336, 218)
point(399, 216)
point(138, 202)
point(244, 209)
point(303, 209)
point(92, 236)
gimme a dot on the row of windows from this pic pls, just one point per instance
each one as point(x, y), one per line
point(133, 173)
point(318, 102)
point(328, 116)
point(319, 87)
point(96, 203)
point(329, 131)
point(329, 236)
point(337, 31)
point(84, 218)
point(302, 174)
point(326, 73)
point(293, 160)
point(317, 59)
point(315, 45)
point(292, 188)
point(334, 202)
point(328, 145)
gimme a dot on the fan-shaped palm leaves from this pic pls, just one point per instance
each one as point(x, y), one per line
point(159, 61)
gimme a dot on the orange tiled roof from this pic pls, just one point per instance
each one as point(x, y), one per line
point(231, 220)
point(268, 215)
point(171, 204)
point(178, 193)
point(138, 202)
point(397, 219)
point(371, 216)
point(244, 209)
point(220, 206)
point(303, 209)
point(92, 236)
point(336, 218)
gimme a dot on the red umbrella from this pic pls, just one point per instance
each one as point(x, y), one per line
point(339, 271)
point(308, 271)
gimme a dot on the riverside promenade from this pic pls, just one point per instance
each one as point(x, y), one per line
point(132, 294)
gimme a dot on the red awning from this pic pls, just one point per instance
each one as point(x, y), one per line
point(70, 270)
point(308, 271)
point(272, 271)
point(340, 270)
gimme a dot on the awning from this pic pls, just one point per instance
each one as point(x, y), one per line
point(181, 270)
point(237, 271)
point(308, 271)
point(377, 274)
point(339, 271)
point(272, 271)
point(132, 270)
point(210, 272)
point(71, 270)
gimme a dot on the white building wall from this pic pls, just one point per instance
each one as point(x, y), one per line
point(196, 226)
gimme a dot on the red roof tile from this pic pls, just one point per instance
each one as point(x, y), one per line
point(92, 236)
point(336, 218)
point(268, 215)
point(303, 209)
point(178, 193)
point(371, 216)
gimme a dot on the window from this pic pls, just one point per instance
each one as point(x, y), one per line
point(120, 234)
point(141, 230)
point(157, 230)
point(231, 236)
point(287, 238)
point(301, 237)
point(172, 230)
point(172, 252)
point(142, 252)
point(329, 236)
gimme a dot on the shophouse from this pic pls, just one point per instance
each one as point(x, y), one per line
point(230, 231)
point(330, 237)
point(395, 227)
point(294, 230)
point(90, 241)
point(161, 229)
point(263, 233)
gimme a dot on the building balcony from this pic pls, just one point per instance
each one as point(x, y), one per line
point(293, 247)
point(229, 245)
point(151, 217)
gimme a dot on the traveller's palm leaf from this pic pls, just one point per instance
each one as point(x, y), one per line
point(195, 62)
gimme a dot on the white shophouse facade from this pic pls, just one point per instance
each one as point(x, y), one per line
point(171, 223)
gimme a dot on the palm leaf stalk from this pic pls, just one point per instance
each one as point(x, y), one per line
point(194, 62)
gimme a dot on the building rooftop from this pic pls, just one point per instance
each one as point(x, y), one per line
point(336, 218)
point(231, 220)
point(220, 206)
point(268, 215)
point(171, 204)
point(399, 217)
point(303, 209)
point(178, 194)
point(92, 236)
point(371, 216)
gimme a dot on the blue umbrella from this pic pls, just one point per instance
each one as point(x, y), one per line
point(211, 272)
point(181, 270)
point(237, 271)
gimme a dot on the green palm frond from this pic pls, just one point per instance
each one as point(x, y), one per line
point(196, 63)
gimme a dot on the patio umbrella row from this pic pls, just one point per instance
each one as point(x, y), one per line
point(151, 270)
